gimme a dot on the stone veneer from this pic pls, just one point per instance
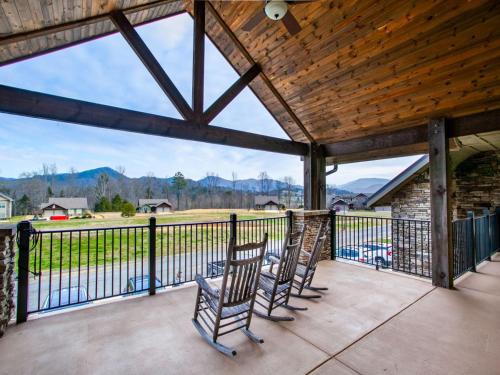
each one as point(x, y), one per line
point(312, 220)
point(413, 201)
point(7, 255)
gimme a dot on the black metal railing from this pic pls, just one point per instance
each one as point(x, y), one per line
point(475, 239)
point(399, 244)
point(76, 266)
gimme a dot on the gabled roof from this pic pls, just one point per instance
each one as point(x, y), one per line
point(6, 197)
point(263, 200)
point(153, 202)
point(399, 181)
point(67, 203)
point(339, 201)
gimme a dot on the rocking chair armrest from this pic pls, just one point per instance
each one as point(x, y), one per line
point(202, 283)
point(305, 253)
point(274, 259)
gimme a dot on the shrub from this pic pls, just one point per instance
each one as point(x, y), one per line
point(128, 209)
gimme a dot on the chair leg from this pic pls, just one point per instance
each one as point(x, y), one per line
point(221, 348)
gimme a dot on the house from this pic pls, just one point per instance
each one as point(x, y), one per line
point(358, 202)
point(68, 207)
point(339, 205)
point(155, 206)
point(475, 186)
point(6, 204)
point(267, 203)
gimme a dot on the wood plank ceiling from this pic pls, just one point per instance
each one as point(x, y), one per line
point(357, 67)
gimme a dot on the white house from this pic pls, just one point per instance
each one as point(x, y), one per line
point(156, 206)
point(64, 207)
point(6, 204)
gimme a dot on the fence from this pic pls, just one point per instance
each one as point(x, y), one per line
point(399, 244)
point(69, 267)
point(475, 239)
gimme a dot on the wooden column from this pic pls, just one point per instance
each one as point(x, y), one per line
point(198, 58)
point(439, 169)
point(315, 179)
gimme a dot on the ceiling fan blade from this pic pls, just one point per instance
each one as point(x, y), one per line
point(291, 23)
point(292, 2)
point(254, 21)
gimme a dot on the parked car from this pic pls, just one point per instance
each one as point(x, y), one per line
point(349, 252)
point(215, 268)
point(140, 284)
point(378, 252)
point(68, 296)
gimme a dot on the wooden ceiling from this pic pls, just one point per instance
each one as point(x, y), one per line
point(356, 69)
point(359, 68)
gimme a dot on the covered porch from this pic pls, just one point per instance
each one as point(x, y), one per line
point(368, 322)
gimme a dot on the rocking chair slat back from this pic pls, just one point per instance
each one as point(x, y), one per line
point(289, 257)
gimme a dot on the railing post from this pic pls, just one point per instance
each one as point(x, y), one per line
point(333, 234)
point(24, 232)
point(152, 256)
point(470, 216)
point(497, 212)
point(486, 213)
point(289, 215)
point(233, 219)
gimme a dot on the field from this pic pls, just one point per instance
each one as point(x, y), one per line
point(109, 238)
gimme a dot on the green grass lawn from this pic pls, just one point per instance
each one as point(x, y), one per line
point(83, 244)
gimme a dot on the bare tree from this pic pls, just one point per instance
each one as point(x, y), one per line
point(289, 182)
point(102, 186)
point(234, 176)
point(265, 182)
point(212, 183)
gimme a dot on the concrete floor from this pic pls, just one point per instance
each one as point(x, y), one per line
point(368, 322)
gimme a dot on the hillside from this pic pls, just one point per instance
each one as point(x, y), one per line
point(365, 185)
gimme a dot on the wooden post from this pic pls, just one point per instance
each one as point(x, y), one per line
point(198, 58)
point(442, 250)
point(314, 178)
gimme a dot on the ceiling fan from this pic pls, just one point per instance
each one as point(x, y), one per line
point(276, 10)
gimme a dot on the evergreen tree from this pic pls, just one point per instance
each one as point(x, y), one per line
point(128, 209)
point(179, 183)
point(103, 205)
point(117, 203)
point(23, 205)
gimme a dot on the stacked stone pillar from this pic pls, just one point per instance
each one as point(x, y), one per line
point(7, 256)
point(312, 220)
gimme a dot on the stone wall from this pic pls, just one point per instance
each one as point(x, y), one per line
point(7, 254)
point(313, 219)
point(413, 201)
point(477, 184)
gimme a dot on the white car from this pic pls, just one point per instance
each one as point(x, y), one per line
point(377, 252)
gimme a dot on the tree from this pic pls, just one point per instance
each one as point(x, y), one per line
point(289, 182)
point(103, 205)
point(50, 193)
point(102, 187)
point(179, 184)
point(265, 182)
point(212, 182)
point(117, 203)
point(128, 209)
point(234, 176)
point(23, 205)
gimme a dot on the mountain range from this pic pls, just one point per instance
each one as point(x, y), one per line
point(89, 178)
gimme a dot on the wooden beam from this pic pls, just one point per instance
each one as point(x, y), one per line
point(266, 80)
point(142, 51)
point(6, 40)
point(439, 170)
point(457, 127)
point(50, 107)
point(198, 58)
point(231, 93)
point(314, 179)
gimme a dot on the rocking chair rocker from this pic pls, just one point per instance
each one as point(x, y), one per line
point(234, 300)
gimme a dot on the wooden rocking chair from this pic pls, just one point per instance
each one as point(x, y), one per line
point(305, 270)
point(234, 300)
point(274, 288)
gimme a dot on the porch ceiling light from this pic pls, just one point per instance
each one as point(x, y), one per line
point(276, 9)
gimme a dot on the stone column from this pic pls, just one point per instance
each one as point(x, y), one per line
point(7, 256)
point(313, 219)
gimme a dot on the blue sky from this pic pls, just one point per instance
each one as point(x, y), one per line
point(107, 71)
